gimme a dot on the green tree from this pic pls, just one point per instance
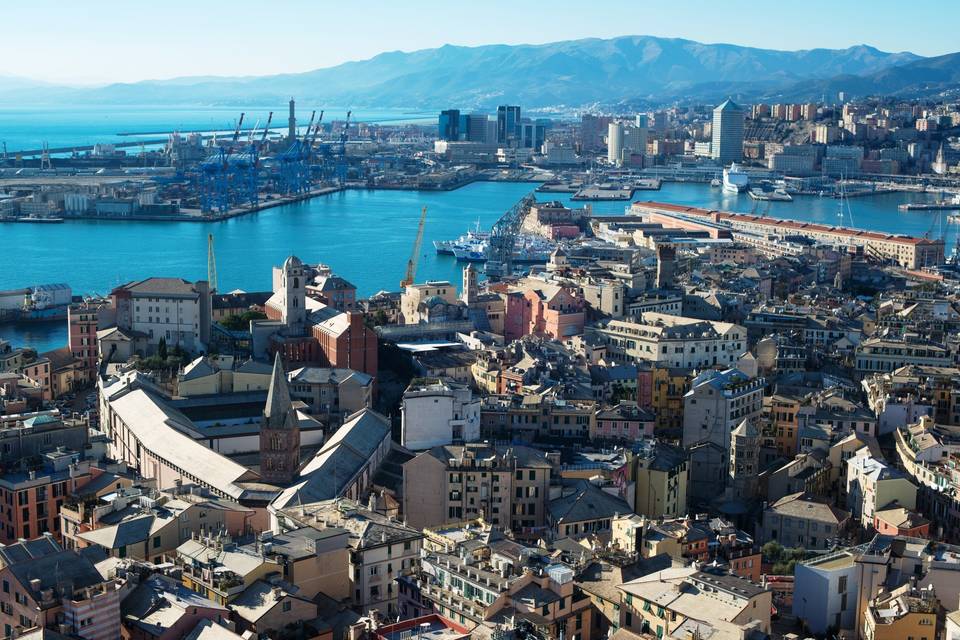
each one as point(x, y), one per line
point(162, 349)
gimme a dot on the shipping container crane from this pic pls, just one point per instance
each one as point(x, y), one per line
point(342, 155)
point(236, 132)
point(266, 129)
point(415, 254)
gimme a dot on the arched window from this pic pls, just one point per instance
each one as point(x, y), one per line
point(296, 283)
point(276, 442)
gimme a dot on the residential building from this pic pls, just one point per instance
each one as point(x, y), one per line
point(438, 412)
point(48, 587)
point(802, 521)
point(669, 602)
point(674, 341)
point(872, 485)
point(506, 485)
point(171, 309)
point(382, 549)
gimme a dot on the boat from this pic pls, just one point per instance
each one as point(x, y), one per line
point(471, 237)
point(35, 218)
point(734, 179)
point(716, 182)
point(768, 191)
point(528, 248)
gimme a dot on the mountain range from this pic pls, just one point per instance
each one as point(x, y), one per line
point(558, 75)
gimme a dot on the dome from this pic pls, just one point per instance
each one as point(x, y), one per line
point(292, 261)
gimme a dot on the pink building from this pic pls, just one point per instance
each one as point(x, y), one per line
point(541, 308)
point(626, 421)
point(47, 587)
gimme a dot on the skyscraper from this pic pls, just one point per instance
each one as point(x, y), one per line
point(615, 142)
point(727, 145)
point(508, 124)
point(449, 125)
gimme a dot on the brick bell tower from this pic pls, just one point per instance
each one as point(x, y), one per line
point(279, 432)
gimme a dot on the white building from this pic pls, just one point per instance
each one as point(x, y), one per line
point(718, 401)
point(171, 309)
point(825, 592)
point(438, 413)
point(674, 341)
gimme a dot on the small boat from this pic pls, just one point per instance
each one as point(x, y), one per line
point(716, 182)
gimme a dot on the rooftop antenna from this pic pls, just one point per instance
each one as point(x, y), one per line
point(211, 264)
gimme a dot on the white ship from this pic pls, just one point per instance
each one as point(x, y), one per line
point(527, 249)
point(469, 239)
point(735, 180)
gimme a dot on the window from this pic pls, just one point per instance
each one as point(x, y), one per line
point(286, 605)
point(156, 542)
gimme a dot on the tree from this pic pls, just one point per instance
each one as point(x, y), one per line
point(162, 349)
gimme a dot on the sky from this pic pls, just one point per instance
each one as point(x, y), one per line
point(100, 41)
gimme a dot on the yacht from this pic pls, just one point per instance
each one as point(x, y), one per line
point(734, 179)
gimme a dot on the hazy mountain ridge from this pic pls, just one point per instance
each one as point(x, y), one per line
point(571, 73)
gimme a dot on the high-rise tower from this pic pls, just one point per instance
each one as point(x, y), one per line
point(727, 142)
point(279, 431)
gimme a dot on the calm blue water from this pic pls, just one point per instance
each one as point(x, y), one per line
point(365, 236)
point(30, 127)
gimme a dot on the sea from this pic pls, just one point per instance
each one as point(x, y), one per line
point(29, 127)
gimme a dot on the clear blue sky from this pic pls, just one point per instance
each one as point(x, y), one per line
point(126, 40)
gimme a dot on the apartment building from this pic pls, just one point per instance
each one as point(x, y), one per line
point(872, 485)
point(438, 412)
point(802, 521)
point(382, 549)
point(671, 601)
point(674, 341)
point(507, 485)
point(875, 355)
point(171, 309)
point(46, 586)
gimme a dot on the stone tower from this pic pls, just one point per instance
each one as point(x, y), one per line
point(666, 266)
point(468, 293)
point(292, 286)
point(744, 461)
point(279, 432)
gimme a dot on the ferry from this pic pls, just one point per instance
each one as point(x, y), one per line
point(734, 179)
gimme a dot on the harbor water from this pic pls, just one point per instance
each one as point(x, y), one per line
point(365, 236)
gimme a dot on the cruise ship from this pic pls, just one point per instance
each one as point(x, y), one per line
point(735, 180)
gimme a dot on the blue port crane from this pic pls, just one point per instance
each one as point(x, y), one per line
point(342, 152)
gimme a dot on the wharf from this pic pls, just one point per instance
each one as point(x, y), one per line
point(597, 193)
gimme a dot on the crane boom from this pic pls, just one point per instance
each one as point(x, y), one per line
point(310, 124)
point(266, 129)
point(415, 254)
point(236, 132)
